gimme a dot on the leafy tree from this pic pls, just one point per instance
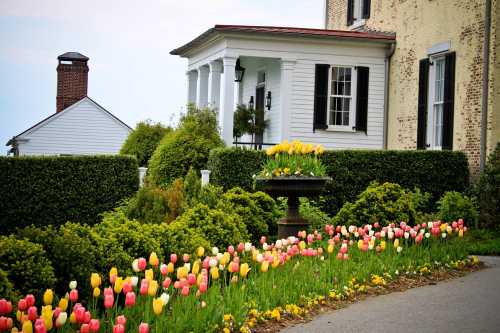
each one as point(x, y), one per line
point(487, 191)
point(143, 140)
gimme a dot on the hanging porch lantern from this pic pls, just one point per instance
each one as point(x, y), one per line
point(239, 72)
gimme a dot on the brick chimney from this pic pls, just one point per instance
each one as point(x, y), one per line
point(72, 79)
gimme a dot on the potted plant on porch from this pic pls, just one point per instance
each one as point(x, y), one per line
point(293, 170)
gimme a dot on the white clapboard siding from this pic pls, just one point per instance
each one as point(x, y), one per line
point(84, 128)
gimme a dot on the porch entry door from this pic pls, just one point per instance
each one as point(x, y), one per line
point(259, 115)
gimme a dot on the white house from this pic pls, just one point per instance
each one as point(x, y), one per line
point(318, 86)
point(80, 126)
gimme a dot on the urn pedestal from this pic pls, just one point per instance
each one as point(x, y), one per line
point(293, 188)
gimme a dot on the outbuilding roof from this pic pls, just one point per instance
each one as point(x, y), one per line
point(284, 31)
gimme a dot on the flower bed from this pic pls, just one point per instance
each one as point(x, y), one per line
point(237, 289)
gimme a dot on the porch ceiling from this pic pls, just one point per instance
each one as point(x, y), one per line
point(221, 30)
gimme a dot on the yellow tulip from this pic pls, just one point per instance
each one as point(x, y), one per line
point(275, 263)
point(382, 245)
point(153, 259)
point(118, 285)
point(157, 306)
point(244, 269)
point(170, 267)
point(113, 272)
point(96, 292)
point(95, 280)
point(27, 327)
point(200, 251)
point(63, 304)
point(48, 296)
point(214, 272)
point(72, 318)
point(225, 259)
point(264, 266)
point(152, 288)
point(330, 248)
point(182, 272)
point(196, 267)
point(396, 242)
point(360, 244)
point(148, 274)
point(302, 245)
point(461, 233)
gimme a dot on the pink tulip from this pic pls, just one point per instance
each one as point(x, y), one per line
point(94, 325)
point(206, 263)
point(121, 320)
point(241, 247)
point(143, 328)
point(73, 295)
point(167, 282)
point(203, 287)
point(118, 329)
point(22, 305)
point(173, 258)
point(185, 291)
point(262, 240)
point(127, 287)
point(80, 314)
point(108, 291)
point(185, 257)
point(144, 287)
point(230, 249)
point(163, 269)
point(340, 256)
point(191, 278)
point(108, 301)
point(32, 313)
point(84, 328)
point(130, 299)
point(40, 326)
point(56, 313)
point(234, 267)
point(142, 263)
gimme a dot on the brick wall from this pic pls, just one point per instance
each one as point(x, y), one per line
point(72, 83)
point(420, 24)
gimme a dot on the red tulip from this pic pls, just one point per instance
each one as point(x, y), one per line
point(121, 320)
point(167, 282)
point(80, 314)
point(118, 329)
point(108, 301)
point(32, 313)
point(203, 287)
point(40, 326)
point(94, 325)
point(56, 313)
point(85, 328)
point(173, 258)
point(185, 291)
point(241, 247)
point(73, 295)
point(5, 307)
point(144, 287)
point(5, 324)
point(22, 305)
point(30, 300)
point(127, 287)
point(142, 263)
point(185, 257)
point(143, 328)
point(130, 299)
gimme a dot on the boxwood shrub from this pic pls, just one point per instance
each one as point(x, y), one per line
point(435, 172)
point(53, 190)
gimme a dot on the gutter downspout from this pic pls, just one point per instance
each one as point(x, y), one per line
point(484, 99)
point(387, 66)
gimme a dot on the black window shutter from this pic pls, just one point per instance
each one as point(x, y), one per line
point(320, 96)
point(350, 12)
point(362, 99)
point(423, 82)
point(366, 8)
point(449, 97)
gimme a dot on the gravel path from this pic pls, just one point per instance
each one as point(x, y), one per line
point(467, 304)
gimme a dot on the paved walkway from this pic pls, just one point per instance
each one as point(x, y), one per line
point(467, 304)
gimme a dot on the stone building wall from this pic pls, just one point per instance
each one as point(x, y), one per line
point(420, 24)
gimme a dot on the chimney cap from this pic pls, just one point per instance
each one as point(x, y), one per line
point(73, 56)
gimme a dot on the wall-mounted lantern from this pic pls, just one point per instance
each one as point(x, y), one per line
point(268, 100)
point(239, 72)
point(251, 103)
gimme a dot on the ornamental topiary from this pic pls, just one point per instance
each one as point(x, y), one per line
point(143, 140)
point(186, 147)
point(26, 265)
point(220, 228)
point(454, 205)
point(383, 203)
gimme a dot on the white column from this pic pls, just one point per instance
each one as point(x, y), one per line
point(191, 86)
point(287, 67)
point(214, 85)
point(202, 87)
point(227, 102)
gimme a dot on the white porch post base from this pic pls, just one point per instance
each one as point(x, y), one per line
point(287, 67)
point(227, 102)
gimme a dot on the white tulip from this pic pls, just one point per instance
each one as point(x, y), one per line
point(72, 285)
point(134, 280)
point(215, 250)
point(399, 249)
point(407, 235)
point(135, 266)
point(212, 262)
point(427, 235)
point(164, 298)
point(248, 247)
point(390, 234)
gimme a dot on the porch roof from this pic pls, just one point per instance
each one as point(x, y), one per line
point(284, 31)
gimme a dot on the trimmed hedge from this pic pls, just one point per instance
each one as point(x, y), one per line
point(53, 190)
point(235, 167)
point(435, 172)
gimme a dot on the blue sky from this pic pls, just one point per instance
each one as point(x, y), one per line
point(128, 42)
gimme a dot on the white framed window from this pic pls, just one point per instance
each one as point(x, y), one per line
point(342, 98)
point(435, 102)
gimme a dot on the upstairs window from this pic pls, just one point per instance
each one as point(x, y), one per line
point(357, 12)
point(340, 96)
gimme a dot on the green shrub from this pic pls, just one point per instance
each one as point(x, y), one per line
point(186, 147)
point(253, 215)
point(26, 265)
point(311, 211)
point(235, 167)
point(453, 206)
point(192, 187)
point(487, 191)
point(383, 203)
point(153, 204)
point(143, 140)
point(54, 190)
point(220, 228)
point(181, 238)
point(6, 287)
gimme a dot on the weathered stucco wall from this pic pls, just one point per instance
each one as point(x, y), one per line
point(420, 24)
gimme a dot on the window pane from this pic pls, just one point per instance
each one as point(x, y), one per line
point(338, 118)
point(348, 74)
point(341, 74)
point(438, 121)
point(345, 120)
point(347, 89)
point(341, 88)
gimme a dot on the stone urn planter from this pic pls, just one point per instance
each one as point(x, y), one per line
point(293, 188)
